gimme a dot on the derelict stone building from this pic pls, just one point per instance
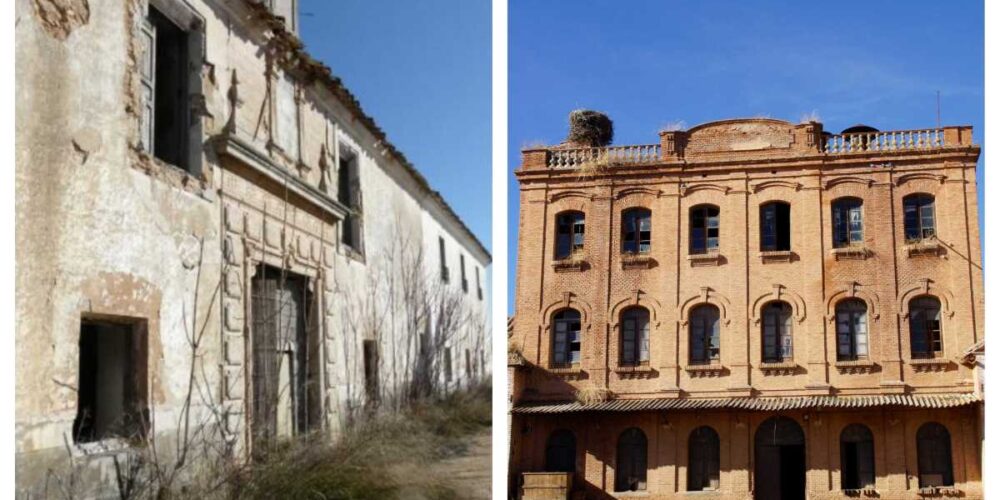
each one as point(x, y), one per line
point(208, 222)
point(749, 308)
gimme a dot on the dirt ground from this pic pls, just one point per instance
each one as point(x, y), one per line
point(469, 474)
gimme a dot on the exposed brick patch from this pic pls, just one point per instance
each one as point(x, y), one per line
point(60, 17)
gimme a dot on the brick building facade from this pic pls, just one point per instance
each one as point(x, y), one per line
point(749, 309)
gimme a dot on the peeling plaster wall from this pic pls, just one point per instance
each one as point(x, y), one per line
point(101, 228)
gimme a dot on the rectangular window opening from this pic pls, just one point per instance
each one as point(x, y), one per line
point(349, 194)
point(165, 77)
point(443, 260)
point(111, 396)
point(370, 349)
point(465, 282)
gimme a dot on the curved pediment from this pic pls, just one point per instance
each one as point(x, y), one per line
point(744, 134)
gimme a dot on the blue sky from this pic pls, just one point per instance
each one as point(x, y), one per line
point(422, 70)
point(653, 63)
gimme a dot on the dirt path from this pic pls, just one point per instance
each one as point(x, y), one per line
point(469, 474)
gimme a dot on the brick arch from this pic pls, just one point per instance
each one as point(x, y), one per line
point(707, 296)
point(636, 191)
point(925, 287)
point(686, 190)
point(636, 298)
point(568, 301)
point(848, 180)
point(570, 194)
point(779, 292)
point(903, 179)
point(756, 188)
point(850, 291)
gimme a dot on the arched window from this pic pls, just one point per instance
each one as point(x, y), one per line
point(704, 229)
point(635, 336)
point(934, 455)
point(777, 332)
point(566, 338)
point(560, 452)
point(703, 459)
point(637, 228)
point(569, 233)
point(857, 458)
point(848, 225)
point(925, 327)
point(775, 226)
point(918, 216)
point(630, 467)
point(703, 334)
point(852, 330)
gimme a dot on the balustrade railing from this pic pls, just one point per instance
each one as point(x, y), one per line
point(612, 155)
point(892, 140)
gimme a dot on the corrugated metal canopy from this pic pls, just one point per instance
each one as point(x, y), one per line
point(756, 404)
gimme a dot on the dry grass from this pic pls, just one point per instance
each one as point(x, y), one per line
point(382, 457)
point(591, 394)
point(812, 116)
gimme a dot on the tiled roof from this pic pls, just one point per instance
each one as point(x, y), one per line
point(755, 404)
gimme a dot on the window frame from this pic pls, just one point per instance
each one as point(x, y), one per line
point(770, 223)
point(783, 335)
point(571, 226)
point(632, 233)
point(566, 318)
point(632, 450)
point(700, 219)
point(860, 438)
point(704, 459)
point(637, 335)
point(855, 312)
point(931, 329)
point(917, 209)
point(847, 222)
point(940, 449)
point(710, 340)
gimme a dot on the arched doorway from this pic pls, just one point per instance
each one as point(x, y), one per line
point(779, 460)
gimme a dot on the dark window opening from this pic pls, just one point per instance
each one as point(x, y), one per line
point(447, 364)
point(925, 328)
point(370, 350)
point(566, 338)
point(465, 282)
point(635, 336)
point(852, 330)
point(857, 458)
point(848, 225)
point(777, 332)
point(704, 335)
point(637, 228)
point(111, 400)
point(934, 456)
point(703, 460)
point(918, 217)
point(704, 229)
point(166, 85)
point(468, 364)
point(775, 227)
point(443, 259)
point(570, 229)
point(285, 350)
point(479, 286)
point(560, 452)
point(349, 194)
point(630, 466)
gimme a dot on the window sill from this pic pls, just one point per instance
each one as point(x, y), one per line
point(637, 261)
point(776, 256)
point(930, 364)
point(569, 264)
point(634, 371)
point(782, 368)
point(851, 253)
point(103, 447)
point(861, 492)
point(353, 254)
point(567, 372)
point(706, 370)
point(705, 259)
point(939, 491)
point(929, 247)
point(855, 366)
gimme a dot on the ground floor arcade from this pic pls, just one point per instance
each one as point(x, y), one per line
point(875, 452)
